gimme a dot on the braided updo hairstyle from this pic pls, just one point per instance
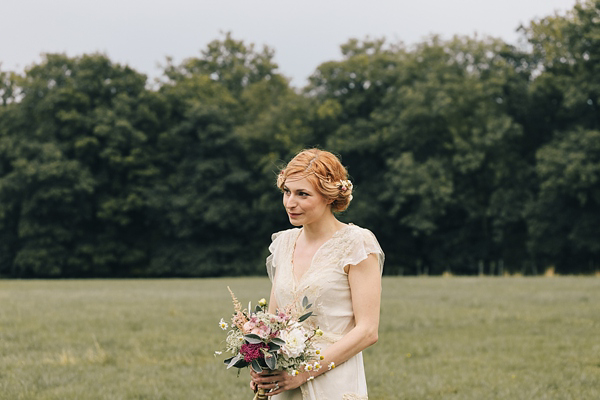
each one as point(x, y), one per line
point(325, 172)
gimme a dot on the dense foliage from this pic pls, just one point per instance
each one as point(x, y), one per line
point(468, 155)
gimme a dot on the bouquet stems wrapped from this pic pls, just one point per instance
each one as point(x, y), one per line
point(260, 395)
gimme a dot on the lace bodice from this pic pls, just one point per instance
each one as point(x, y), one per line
point(325, 282)
point(326, 285)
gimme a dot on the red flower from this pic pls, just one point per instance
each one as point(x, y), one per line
point(252, 351)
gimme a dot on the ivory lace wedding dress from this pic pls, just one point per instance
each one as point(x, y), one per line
point(325, 283)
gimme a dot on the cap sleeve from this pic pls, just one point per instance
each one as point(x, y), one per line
point(364, 244)
point(271, 262)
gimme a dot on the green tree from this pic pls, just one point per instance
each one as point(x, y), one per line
point(210, 198)
point(431, 141)
point(466, 154)
point(76, 158)
point(563, 218)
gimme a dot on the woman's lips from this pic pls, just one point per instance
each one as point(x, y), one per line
point(293, 215)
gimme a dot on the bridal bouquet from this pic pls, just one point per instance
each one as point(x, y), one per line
point(266, 341)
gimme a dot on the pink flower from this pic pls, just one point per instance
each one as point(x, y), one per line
point(239, 319)
point(249, 326)
point(283, 317)
point(265, 331)
point(252, 351)
point(262, 330)
point(259, 328)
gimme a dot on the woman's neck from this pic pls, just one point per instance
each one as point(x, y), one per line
point(322, 229)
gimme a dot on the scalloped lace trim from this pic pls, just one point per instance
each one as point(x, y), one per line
point(353, 396)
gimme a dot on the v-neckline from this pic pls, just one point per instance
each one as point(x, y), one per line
point(296, 280)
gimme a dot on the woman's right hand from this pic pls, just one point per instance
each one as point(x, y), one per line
point(276, 382)
point(264, 379)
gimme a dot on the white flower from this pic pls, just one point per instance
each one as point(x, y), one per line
point(294, 342)
point(344, 185)
point(217, 353)
point(331, 366)
point(223, 324)
point(317, 366)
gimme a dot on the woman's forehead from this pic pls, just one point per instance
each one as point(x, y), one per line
point(297, 182)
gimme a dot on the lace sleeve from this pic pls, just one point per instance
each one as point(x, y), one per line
point(365, 243)
point(271, 259)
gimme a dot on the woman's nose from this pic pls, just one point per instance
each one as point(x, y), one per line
point(291, 201)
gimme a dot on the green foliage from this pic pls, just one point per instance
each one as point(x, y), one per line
point(76, 149)
point(434, 124)
point(569, 171)
point(468, 155)
point(563, 219)
point(204, 205)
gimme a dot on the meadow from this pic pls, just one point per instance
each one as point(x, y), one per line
point(440, 338)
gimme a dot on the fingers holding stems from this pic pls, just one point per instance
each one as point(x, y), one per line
point(279, 381)
point(269, 380)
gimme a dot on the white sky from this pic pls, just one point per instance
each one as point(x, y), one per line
point(304, 33)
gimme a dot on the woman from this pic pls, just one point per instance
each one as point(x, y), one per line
point(337, 266)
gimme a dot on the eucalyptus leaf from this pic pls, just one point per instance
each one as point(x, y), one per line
point(274, 346)
point(302, 318)
point(234, 360)
point(278, 341)
point(256, 367)
point(258, 308)
point(271, 361)
point(304, 301)
point(262, 363)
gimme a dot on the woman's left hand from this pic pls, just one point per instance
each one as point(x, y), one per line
point(277, 381)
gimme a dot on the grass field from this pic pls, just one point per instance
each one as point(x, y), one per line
point(440, 338)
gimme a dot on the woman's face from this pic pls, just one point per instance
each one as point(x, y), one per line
point(303, 203)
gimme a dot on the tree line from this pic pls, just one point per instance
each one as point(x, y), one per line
point(468, 155)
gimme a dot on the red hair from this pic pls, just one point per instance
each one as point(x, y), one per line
point(324, 171)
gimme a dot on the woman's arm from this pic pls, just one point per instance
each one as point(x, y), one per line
point(365, 288)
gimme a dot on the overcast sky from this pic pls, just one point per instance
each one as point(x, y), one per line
point(304, 33)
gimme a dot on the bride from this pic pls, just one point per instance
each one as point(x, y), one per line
point(337, 266)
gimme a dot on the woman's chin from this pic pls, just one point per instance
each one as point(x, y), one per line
point(295, 221)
